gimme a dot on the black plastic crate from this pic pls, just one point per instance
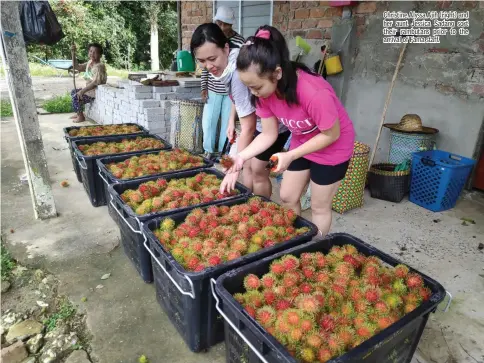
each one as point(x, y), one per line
point(91, 179)
point(111, 179)
point(129, 222)
point(69, 140)
point(397, 343)
point(185, 296)
point(137, 254)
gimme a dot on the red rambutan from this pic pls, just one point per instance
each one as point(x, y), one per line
point(401, 271)
point(251, 282)
point(266, 316)
point(414, 280)
point(268, 280)
point(307, 303)
point(335, 344)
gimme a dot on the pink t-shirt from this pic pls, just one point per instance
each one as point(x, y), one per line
point(318, 109)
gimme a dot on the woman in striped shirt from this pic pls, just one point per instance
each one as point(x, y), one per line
point(214, 93)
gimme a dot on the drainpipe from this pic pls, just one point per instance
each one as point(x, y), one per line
point(178, 13)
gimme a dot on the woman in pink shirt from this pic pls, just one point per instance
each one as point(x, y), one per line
point(322, 133)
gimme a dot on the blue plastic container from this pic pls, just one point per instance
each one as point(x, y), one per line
point(438, 178)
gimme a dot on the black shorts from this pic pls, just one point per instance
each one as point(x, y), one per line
point(275, 148)
point(319, 173)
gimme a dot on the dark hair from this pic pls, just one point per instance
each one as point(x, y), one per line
point(96, 45)
point(208, 32)
point(268, 54)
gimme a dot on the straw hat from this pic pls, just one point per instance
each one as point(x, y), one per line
point(411, 123)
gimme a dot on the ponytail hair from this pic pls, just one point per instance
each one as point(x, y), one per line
point(268, 50)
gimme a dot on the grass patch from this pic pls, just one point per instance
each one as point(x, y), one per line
point(5, 108)
point(59, 104)
point(122, 73)
point(8, 263)
point(41, 70)
point(65, 311)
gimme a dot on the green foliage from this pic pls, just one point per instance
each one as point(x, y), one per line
point(64, 313)
point(59, 104)
point(121, 27)
point(8, 264)
point(5, 110)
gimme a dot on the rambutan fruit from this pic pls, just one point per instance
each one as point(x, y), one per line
point(335, 344)
point(373, 280)
point(414, 280)
point(384, 322)
point(192, 262)
point(64, 183)
point(253, 248)
point(277, 268)
point(409, 308)
point(344, 269)
point(327, 323)
point(307, 354)
point(167, 224)
point(360, 320)
point(393, 300)
point(355, 294)
point(268, 280)
point(282, 328)
point(257, 239)
point(214, 260)
point(324, 355)
point(283, 304)
point(381, 307)
point(338, 289)
point(270, 297)
point(349, 249)
point(352, 260)
point(269, 243)
point(370, 269)
point(290, 279)
point(319, 260)
point(346, 334)
point(266, 316)
point(401, 271)
point(250, 310)
point(280, 290)
point(306, 259)
point(307, 324)
point(308, 272)
point(372, 294)
point(424, 292)
point(314, 340)
point(295, 335)
point(254, 298)
point(292, 317)
point(399, 287)
point(240, 298)
point(347, 309)
point(366, 330)
point(252, 282)
point(290, 262)
point(320, 297)
point(306, 288)
point(233, 255)
point(322, 277)
point(307, 303)
point(412, 298)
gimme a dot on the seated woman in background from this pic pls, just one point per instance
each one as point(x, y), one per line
point(94, 75)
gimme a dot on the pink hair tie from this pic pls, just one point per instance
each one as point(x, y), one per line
point(263, 33)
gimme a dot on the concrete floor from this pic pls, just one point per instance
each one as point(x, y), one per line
point(82, 244)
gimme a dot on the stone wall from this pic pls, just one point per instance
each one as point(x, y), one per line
point(132, 102)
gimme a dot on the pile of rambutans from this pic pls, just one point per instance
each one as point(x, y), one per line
point(219, 234)
point(320, 306)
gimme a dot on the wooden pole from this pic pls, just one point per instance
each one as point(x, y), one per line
point(17, 74)
point(387, 102)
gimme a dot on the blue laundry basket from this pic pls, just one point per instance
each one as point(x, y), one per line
point(438, 178)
